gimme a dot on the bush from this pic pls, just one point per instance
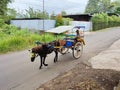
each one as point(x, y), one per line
point(13, 43)
point(13, 38)
point(21, 39)
point(1, 22)
point(101, 21)
point(59, 20)
point(67, 21)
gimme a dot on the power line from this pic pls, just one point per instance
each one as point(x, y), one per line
point(40, 5)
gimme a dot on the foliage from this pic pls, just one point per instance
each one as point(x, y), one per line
point(97, 6)
point(100, 18)
point(104, 5)
point(31, 13)
point(3, 6)
point(1, 22)
point(12, 38)
point(92, 6)
point(115, 6)
point(101, 21)
point(3, 9)
point(117, 10)
point(59, 20)
point(52, 16)
point(67, 21)
point(12, 13)
point(63, 13)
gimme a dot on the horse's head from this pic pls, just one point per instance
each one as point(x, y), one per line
point(32, 55)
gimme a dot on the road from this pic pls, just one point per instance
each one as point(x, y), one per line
point(17, 72)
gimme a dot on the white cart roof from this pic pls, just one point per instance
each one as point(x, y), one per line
point(60, 29)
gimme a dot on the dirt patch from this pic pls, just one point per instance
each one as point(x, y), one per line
point(84, 78)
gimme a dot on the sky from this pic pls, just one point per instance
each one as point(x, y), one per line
point(56, 6)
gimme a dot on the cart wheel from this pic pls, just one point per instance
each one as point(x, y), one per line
point(64, 50)
point(77, 50)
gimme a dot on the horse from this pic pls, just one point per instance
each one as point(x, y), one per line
point(42, 51)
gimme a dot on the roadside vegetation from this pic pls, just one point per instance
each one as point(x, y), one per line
point(105, 13)
point(102, 20)
point(12, 38)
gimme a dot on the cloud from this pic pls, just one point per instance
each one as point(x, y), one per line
point(56, 6)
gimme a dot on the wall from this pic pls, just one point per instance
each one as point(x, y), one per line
point(87, 25)
point(48, 24)
point(34, 24)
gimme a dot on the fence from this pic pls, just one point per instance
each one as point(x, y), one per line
point(34, 24)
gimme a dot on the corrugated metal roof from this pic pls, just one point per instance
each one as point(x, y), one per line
point(60, 29)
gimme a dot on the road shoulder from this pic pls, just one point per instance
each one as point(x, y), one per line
point(85, 78)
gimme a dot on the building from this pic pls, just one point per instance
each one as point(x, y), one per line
point(79, 17)
point(33, 23)
point(81, 20)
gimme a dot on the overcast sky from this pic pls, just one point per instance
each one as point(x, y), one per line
point(56, 6)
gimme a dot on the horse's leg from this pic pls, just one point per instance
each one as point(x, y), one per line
point(44, 61)
point(56, 55)
point(41, 62)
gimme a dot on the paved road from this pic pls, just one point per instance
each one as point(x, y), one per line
point(18, 73)
point(108, 59)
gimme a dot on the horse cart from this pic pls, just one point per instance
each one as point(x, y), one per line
point(70, 42)
point(73, 43)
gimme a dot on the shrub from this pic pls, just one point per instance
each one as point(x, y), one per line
point(1, 22)
point(21, 39)
point(101, 21)
point(12, 38)
point(59, 20)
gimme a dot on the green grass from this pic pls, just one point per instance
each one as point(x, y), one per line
point(15, 40)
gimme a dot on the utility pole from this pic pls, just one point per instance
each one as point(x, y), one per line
point(43, 14)
point(43, 21)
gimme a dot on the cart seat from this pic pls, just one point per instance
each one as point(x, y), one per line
point(69, 43)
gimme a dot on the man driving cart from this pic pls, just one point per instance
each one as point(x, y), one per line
point(78, 37)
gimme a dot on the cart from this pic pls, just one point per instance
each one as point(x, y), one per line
point(75, 45)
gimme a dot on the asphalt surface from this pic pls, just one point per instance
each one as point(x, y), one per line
point(17, 72)
point(108, 59)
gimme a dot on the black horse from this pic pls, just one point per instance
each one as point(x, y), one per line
point(42, 51)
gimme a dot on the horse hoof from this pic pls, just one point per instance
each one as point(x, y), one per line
point(55, 61)
point(46, 64)
point(40, 67)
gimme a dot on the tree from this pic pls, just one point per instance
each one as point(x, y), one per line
point(117, 2)
point(52, 16)
point(3, 6)
point(3, 9)
point(59, 20)
point(104, 5)
point(67, 21)
point(63, 13)
point(92, 6)
point(31, 13)
point(97, 6)
point(116, 6)
point(12, 13)
point(117, 10)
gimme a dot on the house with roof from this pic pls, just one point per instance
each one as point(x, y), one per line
point(82, 20)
